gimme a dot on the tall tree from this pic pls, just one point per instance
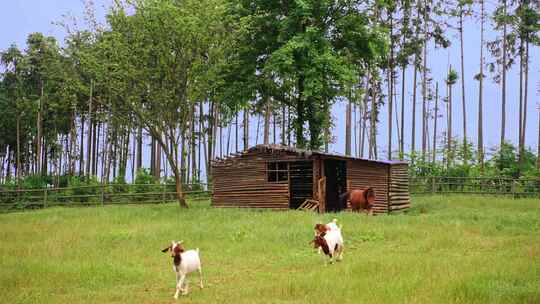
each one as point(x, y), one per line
point(182, 38)
point(435, 118)
point(302, 54)
point(480, 78)
point(463, 11)
point(450, 81)
point(504, 16)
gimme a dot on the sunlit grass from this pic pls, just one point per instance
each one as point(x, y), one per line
point(456, 249)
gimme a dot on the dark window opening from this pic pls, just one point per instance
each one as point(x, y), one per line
point(278, 172)
point(301, 182)
point(336, 184)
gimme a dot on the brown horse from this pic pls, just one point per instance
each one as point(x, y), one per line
point(361, 200)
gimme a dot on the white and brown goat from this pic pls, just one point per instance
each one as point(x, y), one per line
point(184, 262)
point(328, 238)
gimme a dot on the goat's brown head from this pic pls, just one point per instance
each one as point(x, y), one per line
point(320, 241)
point(176, 250)
point(320, 228)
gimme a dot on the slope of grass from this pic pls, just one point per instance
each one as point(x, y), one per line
point(455, 249)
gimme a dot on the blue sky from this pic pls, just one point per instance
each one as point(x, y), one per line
point(19, 18)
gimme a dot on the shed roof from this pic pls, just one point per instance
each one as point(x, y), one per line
point(307, 154)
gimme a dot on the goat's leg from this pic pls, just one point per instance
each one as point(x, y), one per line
point(177, 286)
point(186, 288)
point(200, 278)
point(181, 279)
point(340, 255)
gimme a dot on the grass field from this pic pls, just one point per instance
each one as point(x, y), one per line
point(455, 249)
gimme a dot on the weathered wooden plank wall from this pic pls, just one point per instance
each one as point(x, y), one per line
point(399, 188)
point(242, 182)
point(362, 174)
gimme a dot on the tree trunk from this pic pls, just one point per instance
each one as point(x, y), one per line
point(481, 92)
point(525, 97)
point(413, 135)
point(424, 88)
point(39, 132)
point(413, 130)
point(201, 141)
point(81, 148)
point(183, 158)
point(390, 80)
point(168, 150)
point(153, 157)
point(236, 132)
point(133, 154)
point(210, 146)
point(95, 142)
point(228, 138)
point(450, 148)
point(283, 125)
point(220, 125)
point(274, 127)
point(538, 143)
point(193, 142)
point(89, 136)
point(289, 125)
point(434, 151)
point(266, 121)
point(520, 118)
point(72, 144)
point(402, 122)
point(373, 120)
point(139, 149)
point(355, 130)
point(503, 104)
point(246, 127)
point(464, 118)
point(299, 125)
point(364, 115)
point(157, 166)
point(18, 167)
point(348, 127)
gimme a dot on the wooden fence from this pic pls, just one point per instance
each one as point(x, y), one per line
point(475, 185)
point(13, 200)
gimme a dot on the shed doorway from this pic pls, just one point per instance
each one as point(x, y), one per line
point(301, 182)
point(335, 172)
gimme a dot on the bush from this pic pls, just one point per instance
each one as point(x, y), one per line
point(89, 188)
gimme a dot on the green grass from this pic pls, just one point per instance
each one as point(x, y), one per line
point(456, 249)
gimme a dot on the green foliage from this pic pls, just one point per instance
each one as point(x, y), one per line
point(452, 77)
point(145, 182)
point(305, 54)
point(84, 189)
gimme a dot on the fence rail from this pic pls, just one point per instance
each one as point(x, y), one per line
point(112, 194)
point(522, 187)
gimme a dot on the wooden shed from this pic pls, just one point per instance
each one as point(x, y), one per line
point(280, 177)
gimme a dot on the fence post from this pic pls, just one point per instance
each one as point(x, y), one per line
point(102, 195)
point(513, 188)
point(45, 198)
point(433, 187)
point(163, 190)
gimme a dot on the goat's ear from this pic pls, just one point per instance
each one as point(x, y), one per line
point(166, 249)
